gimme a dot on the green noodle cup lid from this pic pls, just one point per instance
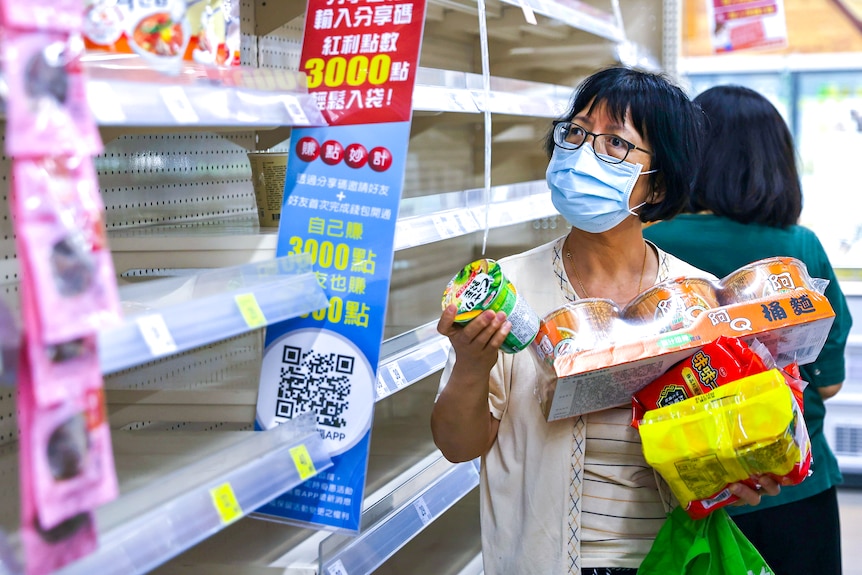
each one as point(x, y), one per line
point(481, 285)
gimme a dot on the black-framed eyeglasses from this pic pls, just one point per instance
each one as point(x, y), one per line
point(609, 147)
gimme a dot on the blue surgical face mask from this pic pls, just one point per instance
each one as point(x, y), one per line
point(591, 194)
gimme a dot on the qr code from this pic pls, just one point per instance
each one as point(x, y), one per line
point(313, 381)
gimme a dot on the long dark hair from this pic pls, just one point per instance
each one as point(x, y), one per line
point(749, 172)
point(663, 115)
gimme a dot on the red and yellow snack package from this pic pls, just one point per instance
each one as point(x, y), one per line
point(747, 427)
point(722, 361)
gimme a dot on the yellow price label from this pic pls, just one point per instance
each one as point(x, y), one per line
point(303, 462)
point(225, 503)
point(250, 310)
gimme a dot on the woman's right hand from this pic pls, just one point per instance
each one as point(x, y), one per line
point(477, 342)
point(461, 422)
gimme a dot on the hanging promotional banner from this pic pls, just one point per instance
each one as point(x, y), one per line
point(746, 24)
point(341, 195)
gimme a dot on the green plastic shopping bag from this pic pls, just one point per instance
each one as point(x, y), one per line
point(713, 545)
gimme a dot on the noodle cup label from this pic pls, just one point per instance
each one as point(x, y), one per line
point(268, 170)
point(481, 285)
point(673, 304)
point(765, 278)
point(580, 325)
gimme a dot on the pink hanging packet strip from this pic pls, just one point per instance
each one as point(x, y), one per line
point(47, 112)
point(58, 15)
point(70, 440)
point(45, 549)
point(62, 243)
point(60, 370)
point(73, 465)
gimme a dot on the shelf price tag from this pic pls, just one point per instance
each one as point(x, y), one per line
point(382, 388)
point(423, 511)
point(178, 105)
point(156, 334)
point(336, 568)
point(529, 16)
point(397, 375)
point(225, 502)
point(302, 461)
point(294, 109)
point(104, 103)
point(250, 310)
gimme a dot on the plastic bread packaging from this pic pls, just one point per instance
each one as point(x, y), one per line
point(716, 363)
point(751, 426)
point(598, 356)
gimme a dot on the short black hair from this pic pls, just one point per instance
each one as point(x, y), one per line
point(663, 115)
point(749, 172)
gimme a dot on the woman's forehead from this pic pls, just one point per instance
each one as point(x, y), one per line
point(598, 108)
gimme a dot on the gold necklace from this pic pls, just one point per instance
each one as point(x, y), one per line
point(581, 284)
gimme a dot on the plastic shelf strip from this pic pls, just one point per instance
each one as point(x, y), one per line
point(410, 357)
point(122, 103)
point(196, 321)
point(145, 532)
point(576, 14)
point(393, 521)
point(426, 220)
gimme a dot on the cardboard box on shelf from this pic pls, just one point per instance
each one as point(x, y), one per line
point(792, 324)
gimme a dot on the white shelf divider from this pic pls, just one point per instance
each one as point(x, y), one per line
point(155, 522)
point(176, 314)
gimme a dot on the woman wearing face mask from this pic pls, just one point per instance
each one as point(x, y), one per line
point(575, 495)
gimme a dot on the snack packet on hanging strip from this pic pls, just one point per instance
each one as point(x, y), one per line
point(45, 549)
point(62, 245)
point(165, 33)
point(47, 111)
point(57, 15)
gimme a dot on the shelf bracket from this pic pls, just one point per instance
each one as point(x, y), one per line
point(271, 138)
point(269, 15)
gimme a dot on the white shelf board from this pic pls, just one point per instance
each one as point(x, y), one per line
point(392, 515)
point(439, 90)
point(421, 220)
point(124, 92)
point(399, 516)
point(578, 15)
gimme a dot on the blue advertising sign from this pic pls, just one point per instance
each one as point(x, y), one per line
point(342, 190)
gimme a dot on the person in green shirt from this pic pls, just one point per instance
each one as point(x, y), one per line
point(745, 206)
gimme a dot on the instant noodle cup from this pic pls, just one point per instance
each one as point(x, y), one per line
point(583, 324)
point(764, 278)
point(670, 305)
point(268, 170)
point(481, 285)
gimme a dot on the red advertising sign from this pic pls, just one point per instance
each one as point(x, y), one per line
point(360, 57)
point(746, 24)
